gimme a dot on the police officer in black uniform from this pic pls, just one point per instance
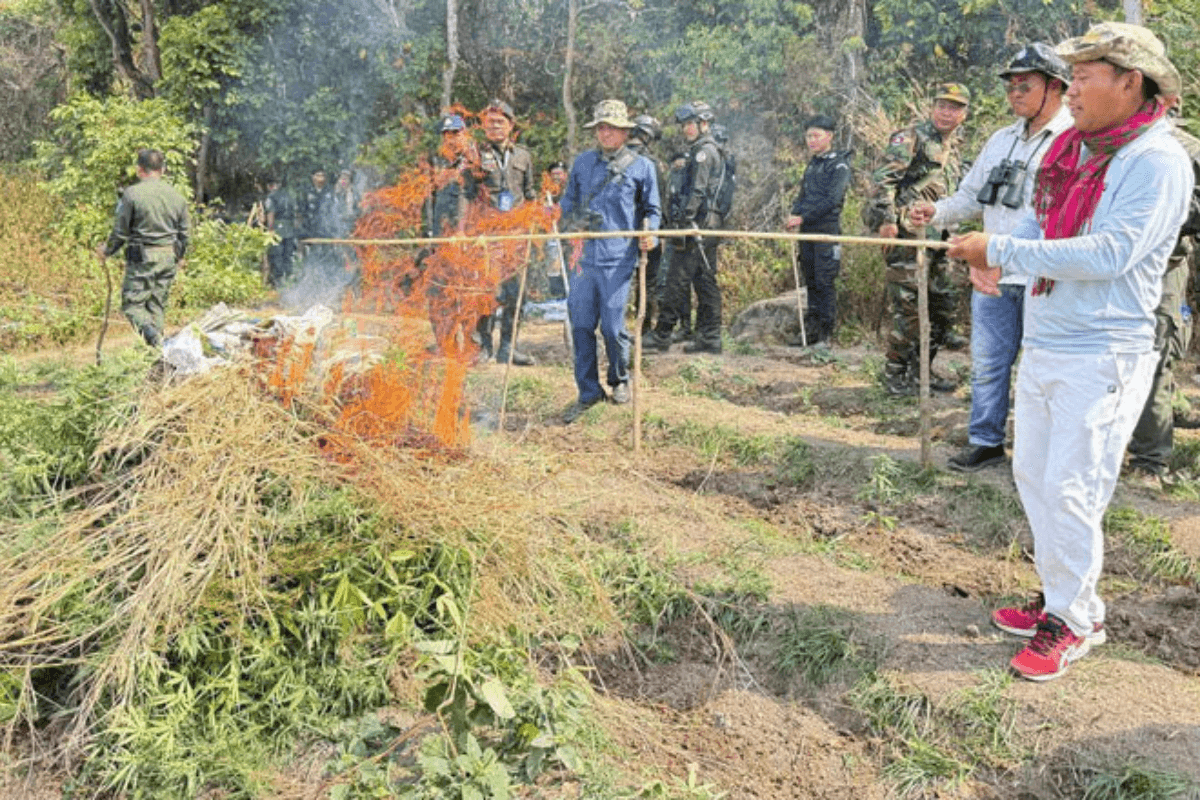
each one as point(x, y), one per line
point(693, 262)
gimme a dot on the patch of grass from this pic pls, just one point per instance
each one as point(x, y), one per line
point(821, 643)
point(984, 719)
point(1148, 540)
point(796, 465)
point(922, 764)
point(530, 394)
point(714, 440)
point(984, 512)
point(1133, 781)
point(893, 482)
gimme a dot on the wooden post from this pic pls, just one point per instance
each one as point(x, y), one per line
point(923, 352)
point(643, 257)
point(512, 345)
point(799, 304)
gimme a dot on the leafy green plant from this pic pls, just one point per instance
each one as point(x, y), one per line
point(223, 266)
point(819, 643)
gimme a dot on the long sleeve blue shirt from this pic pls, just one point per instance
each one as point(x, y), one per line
point(621, 203)
point(1108, 278)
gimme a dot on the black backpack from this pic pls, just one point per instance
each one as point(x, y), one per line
point(721, 200)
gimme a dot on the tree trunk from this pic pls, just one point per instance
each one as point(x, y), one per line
point(202, 156)
point(111, 17)
point(451, 52)
point(568, 70)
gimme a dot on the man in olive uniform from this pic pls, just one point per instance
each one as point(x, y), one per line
point(508, 179)
point(1154, 437)
point(152, 225)
point(920, 164)
point(314, 197)
point(694, 258)
point(646, 131)
point(280, 209)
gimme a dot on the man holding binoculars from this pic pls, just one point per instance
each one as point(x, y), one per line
point(999, 187)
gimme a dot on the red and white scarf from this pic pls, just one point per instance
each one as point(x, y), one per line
point(1067, 192)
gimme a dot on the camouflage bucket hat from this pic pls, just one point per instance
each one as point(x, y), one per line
point(1127, 46)
point(612, 112)
point(954, 92)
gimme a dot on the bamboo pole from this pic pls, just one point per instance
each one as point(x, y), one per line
point(923, 353)
point(643, 257)
point(799, 305)
point(512, 344)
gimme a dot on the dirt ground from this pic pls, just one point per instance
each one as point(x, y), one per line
point(922, 586)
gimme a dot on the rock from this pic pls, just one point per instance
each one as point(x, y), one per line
point(770, 321)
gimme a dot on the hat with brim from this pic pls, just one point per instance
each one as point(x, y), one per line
point(1127, 46)
point(954, 92)
point(611, 112)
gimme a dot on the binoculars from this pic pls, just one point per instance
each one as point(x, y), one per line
point(1009, 176)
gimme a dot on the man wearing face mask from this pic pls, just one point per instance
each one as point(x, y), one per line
point(508, 179)
point(999, 187)
point(920, 164)
point(611, 188)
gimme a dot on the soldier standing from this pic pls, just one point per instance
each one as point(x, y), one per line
point(508, 179)
point(315, 196)
point(818, 209)
point(921, 164)
point(280, 209)
point(693, 261)
point(152, 225)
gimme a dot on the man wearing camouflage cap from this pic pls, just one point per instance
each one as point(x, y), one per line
point(999, 188)
point(610, 188)
point(921, 163)
point(1110, 197)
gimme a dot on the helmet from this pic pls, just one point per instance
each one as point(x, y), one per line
point(697, 109)
point(720, 134)
point(496, 104)
point(450, 123)
point(647, 128)
point(1038, 57)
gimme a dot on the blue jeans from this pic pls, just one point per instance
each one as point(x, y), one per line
point(996, 327)
point(598, 297)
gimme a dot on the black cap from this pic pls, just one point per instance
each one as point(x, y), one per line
point(1038, 57)
point(822, 121)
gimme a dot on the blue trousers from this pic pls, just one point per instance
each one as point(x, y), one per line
point(598, 297)
point(996, 327)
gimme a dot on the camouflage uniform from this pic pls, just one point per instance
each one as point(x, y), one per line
point(508, 178)
point(1153, 438)
point(693, 261)
point(152, 225)
point(920, 165)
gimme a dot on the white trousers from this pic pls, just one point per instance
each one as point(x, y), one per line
point(1073, 418)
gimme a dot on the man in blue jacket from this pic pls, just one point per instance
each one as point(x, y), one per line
point(610, 188)
point(818, 209)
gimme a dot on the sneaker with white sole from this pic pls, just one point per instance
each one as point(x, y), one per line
point(1023, 620)
point(1053, 648)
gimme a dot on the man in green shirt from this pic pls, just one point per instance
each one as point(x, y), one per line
point(152, 226)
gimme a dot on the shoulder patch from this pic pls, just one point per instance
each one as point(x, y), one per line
point(700, 157)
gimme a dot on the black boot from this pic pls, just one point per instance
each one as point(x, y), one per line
point(483, 336)
point(506, 343)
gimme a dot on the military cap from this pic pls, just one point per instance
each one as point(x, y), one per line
point(451, 123)
point(496, 104)
point(822, 121)
point(954, 92)
point(1127, 46)
point(697, 109)
point(611, 112)
point(1037, 57)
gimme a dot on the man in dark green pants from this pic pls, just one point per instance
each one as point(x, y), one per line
point(152, 225)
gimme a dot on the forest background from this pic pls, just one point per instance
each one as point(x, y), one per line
point(235, 89)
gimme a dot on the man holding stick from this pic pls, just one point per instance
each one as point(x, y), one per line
point(610, 189)
point(1109, 200)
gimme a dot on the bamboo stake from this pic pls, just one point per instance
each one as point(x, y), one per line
point(512, 344)
point(923, 352)
point(643, 257)
point(799, 305)
point(107, 309)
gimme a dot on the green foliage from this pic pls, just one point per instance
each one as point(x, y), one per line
point(94, 151)
point(1136, 781)
point(224, 264)
point(51, 290)
point(47, 444)
point(819, 643)
point(1149, 541)
point(202, 54)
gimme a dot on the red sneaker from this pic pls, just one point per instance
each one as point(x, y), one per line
point(1052, 650)
point(1022, 620)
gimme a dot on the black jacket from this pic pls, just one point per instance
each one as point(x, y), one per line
point(823, 192)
